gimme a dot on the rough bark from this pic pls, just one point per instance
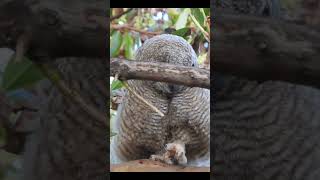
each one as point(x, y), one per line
point(189, 76)
point(146, 165)
point(266, 49)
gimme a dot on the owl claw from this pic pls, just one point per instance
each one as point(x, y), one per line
point(175, 154)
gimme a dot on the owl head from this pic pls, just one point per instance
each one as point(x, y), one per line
point(170, 49)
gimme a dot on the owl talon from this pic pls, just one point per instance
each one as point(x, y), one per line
point(175, 154)
point(176, 151)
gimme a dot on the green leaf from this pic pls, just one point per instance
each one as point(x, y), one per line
point(206, 11)
point(20, 74)
point(129, 16)
point(204, 32)
point(199, 14)
point(128, 45)
point(182, 20)
point(116, 85)
point(115, 43)
point(182, 32)
point(173, 15)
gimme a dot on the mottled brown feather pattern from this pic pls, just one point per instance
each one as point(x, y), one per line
point(266, 130)
point(69, 143)
point(142, 131)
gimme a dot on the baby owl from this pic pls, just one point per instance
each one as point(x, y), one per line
point(182, 136)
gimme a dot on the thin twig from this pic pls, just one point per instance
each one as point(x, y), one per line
point(121, 14)
point(72, 95)
point(142, 99)
point(125, 26)
point(205, 34)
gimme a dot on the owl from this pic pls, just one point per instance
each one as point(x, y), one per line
point(182, 135)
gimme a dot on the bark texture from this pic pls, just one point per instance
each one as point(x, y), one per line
point(163, 72)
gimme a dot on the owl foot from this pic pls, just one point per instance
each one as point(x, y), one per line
point(175, 154)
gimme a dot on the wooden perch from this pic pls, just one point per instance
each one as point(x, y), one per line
point(147, 165)
point(188, 76)
point(266, 49)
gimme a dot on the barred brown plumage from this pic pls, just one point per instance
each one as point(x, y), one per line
point(69, 143)
point(266, 130)
point(142, 131)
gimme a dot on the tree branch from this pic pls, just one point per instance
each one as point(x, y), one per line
point(146, 165)
point(126, 26)
point(121, 14)
point(188, 76)
point(266, 49)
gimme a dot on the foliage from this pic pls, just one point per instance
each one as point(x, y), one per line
point(138, 25)
point(15, 80)
point(115, 40)
point(20, 74)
